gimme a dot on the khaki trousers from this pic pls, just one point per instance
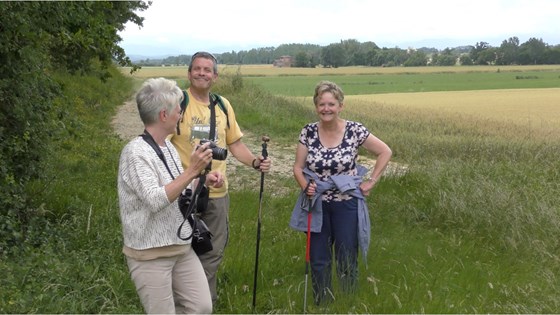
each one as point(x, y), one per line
point(171, 285)
point(217, 220)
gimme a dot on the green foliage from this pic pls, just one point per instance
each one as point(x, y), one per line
point(302, 60)
point(66, 263)
point(38, 39)
point(470, 227)
point(416, 59)
point(350, 52)
point(84, 31)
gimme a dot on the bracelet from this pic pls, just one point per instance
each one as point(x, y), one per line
point(253, 165)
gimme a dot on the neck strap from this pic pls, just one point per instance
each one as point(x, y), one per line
point(150, 140)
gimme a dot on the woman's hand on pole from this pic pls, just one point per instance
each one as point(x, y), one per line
point(311, 188)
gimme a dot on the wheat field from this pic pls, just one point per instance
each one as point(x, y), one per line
point(270, 70)
point(535, 108)
point(538, 109)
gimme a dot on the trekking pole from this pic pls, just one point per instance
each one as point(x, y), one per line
point(265, 139)
point(307, 248)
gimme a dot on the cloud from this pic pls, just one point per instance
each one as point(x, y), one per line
point(178, 26)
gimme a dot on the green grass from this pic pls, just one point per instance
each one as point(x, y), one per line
point(471, 227)
point(303, 85)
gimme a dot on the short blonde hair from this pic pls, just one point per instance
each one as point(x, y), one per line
point(328, 86)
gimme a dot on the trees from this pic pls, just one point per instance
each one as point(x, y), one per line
point(552, 55)
point(478, 55)
point(416, 59)
point(446, 58)
point(532, 51)
point(465, 60)
point(333, 56)
point(38, 39)
point(351, 52)
point(508, 53)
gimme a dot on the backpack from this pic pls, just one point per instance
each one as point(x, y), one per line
point(213, 98)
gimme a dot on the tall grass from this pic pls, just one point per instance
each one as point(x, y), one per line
point(470, 227)
point(76, 267)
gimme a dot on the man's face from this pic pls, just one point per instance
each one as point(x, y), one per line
point(202, 74)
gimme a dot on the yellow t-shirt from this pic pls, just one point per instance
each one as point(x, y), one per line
point(197, 118)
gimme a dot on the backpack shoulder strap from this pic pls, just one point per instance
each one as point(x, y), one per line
point(216, 97)
point(183, 105)
point(213, 97)
point(185, 101)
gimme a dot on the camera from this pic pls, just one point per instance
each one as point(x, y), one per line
point(217, 152)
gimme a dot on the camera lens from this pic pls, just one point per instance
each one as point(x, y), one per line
point(219, 153)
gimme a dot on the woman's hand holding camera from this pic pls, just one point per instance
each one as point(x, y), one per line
point(201, 157)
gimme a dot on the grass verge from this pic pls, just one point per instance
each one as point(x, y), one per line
point(471, 227)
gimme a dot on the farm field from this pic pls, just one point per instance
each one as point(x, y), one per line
point(271, 71)
point(467, 225)
point(538, 109)
point(376, 80)
point(524, 95)
point(409, 82)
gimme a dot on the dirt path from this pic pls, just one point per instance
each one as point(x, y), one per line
point(127, 125)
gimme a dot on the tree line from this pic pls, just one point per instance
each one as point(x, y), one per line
point(351, 52)
point(40, 43)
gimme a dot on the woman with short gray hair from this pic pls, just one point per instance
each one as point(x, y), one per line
point(166, 271)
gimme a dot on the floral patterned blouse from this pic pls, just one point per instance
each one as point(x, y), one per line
point(339, 160)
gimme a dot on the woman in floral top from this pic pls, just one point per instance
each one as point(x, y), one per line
point(327, 155)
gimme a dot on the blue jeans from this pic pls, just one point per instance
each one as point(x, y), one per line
point(339, 230)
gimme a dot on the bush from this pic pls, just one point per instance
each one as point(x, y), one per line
point(35, 38)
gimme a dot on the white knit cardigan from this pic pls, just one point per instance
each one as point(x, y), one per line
point(148, 219)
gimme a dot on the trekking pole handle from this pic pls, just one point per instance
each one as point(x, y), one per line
point(265, 139)
point(311, 181)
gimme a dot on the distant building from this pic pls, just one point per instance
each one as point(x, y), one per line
point(283, 62)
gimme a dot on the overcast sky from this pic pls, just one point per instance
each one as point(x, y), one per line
point(173, 27)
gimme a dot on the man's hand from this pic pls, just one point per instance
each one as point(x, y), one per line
point(215, 179)
point(262, 164)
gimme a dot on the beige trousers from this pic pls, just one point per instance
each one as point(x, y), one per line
point(171, 285)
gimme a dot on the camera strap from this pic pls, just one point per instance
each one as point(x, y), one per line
point(192, 207)
point(212, 134)
point(150, 140)
point(202, 177)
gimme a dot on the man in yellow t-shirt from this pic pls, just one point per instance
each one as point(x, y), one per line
point(194, 125)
